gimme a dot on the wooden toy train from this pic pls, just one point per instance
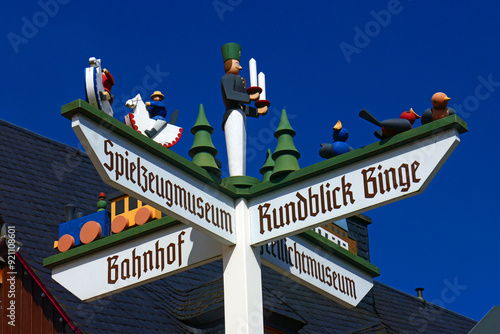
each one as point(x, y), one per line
point(126, 212)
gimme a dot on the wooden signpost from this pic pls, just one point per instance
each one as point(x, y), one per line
point(243, 219)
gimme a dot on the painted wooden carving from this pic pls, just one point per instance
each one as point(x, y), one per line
point(98, 84)
point(393, 126)
point(439, 108)
point(237, 97)
point(166, 134)
point(339, 145)
point(126, 212)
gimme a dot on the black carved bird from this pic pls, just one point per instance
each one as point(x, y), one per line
point(393, 126)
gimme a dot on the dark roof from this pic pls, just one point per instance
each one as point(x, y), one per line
point(38, 176)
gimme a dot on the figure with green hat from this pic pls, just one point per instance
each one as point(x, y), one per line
point(236, 99)
point(158, 112)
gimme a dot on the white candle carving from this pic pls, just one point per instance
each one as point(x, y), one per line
point(262, 84)
point(253, 72)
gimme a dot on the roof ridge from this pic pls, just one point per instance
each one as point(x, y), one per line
point(427, 301)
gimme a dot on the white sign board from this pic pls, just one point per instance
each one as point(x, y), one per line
point(137, 262)
point(143, 175)
point(358, 187)
point(311, 266)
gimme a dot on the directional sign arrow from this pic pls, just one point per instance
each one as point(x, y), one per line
point(136, 171)
point(136, 262)
point(310, 265)
point(338, 193)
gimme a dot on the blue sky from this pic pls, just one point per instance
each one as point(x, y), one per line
point(323, 62)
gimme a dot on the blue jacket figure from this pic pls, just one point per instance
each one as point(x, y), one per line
point(339, 146)
point(158, 112)
point(236, 100)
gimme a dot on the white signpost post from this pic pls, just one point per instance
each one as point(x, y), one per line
point(242, 223)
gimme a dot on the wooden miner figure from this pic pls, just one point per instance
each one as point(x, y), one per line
point(236, 99)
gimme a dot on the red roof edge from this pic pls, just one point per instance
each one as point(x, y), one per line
point(48, 294)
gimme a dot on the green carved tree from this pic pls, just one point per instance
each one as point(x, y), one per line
point(286, 155)
point(267, 168)
point(203, 151)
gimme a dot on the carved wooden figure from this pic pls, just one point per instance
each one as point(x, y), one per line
point(439, 108)
point(393, 126)
point(339, 145)
point(236, 98)
point(168, 135)
point(98, 85)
